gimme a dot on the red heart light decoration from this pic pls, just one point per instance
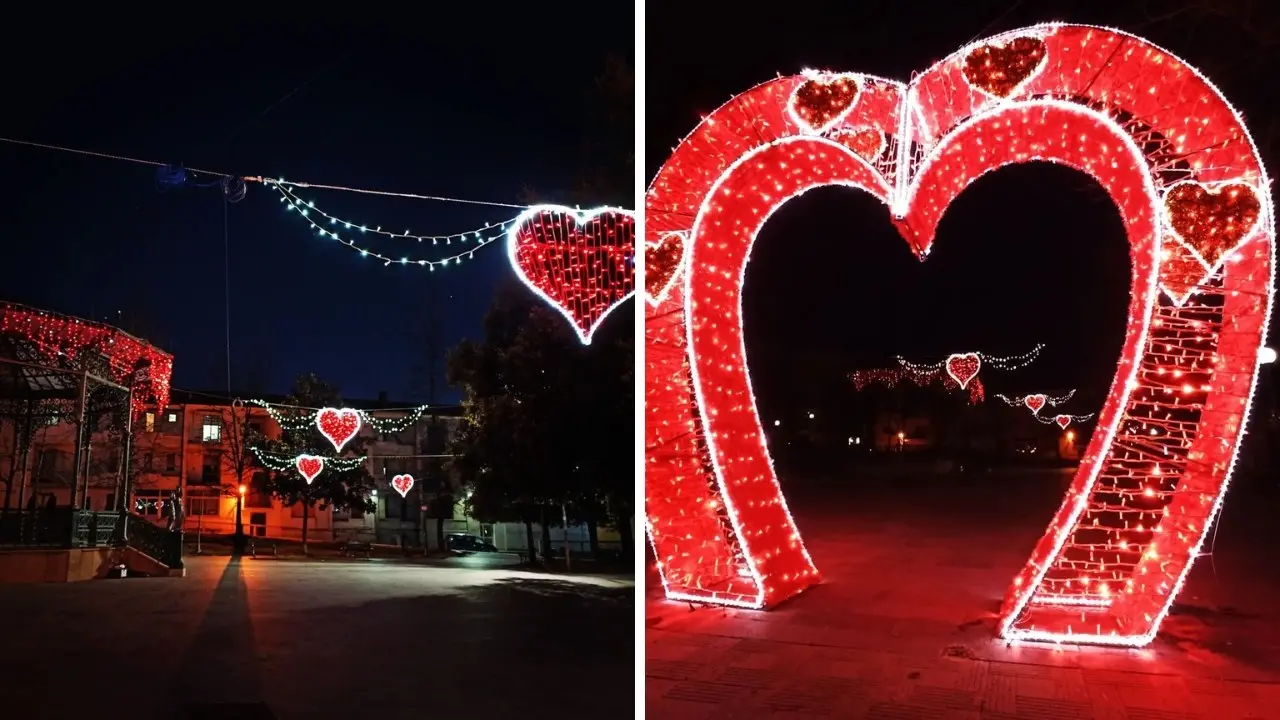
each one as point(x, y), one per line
point(1062, 420)
point(963, 367)
point(1212, 221)
point(1000, 69)
point(338, 425)
point(402, 484)
point(309, 466)
point(662, 262)
point(823, 100)
point(867, 142)
point(580, 263)
point(1035, 402)
point(716, 515)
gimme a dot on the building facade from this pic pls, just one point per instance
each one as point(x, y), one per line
point(195, 446)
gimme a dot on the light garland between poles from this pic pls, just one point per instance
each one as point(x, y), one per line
point(1036, 402)
point(328, 226)
point(964, 367)
point(299, 418)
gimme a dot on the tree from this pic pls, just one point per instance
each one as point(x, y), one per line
point(334, 487)
point(239, 437)
point(548, 423)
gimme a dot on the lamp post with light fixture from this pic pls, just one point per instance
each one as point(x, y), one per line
point(238, 541)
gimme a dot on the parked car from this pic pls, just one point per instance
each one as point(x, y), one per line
point(461, 542)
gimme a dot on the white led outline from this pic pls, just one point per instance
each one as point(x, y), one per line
point(337, 446)
point(693, 364)
point(404, 492)
point(656, 300)
point(823, 77)
point(1113, 639)
point(297, 464)
point(581, 217)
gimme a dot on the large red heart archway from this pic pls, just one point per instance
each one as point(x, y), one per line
point(1141, 122)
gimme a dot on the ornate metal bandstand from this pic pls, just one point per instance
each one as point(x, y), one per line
point(71, 389)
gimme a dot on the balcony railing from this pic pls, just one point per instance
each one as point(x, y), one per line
point(65, 527)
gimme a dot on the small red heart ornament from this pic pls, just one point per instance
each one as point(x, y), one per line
point(662, 261)
point(1000, 69)
point(580, 263)
point(824, 100)
point(402, 484)
point(1062, 420)
point(866, 142)
point(309, 466)
point(1212, 221)
point(338, 425)
point(963, 367)
point(1035, 402)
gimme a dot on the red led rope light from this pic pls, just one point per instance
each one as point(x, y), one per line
point(59, 337)
point(1189, 186)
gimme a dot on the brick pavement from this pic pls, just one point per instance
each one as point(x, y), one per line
point(904, 627)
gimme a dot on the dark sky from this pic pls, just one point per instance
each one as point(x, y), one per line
point(477, 107)
point(1029, 254)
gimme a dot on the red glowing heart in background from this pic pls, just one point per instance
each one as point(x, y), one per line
point(581, 264)
point(339, 426)
point(824, 100)
point(402, 484)
point(1035, 402)
point(309, 466)
point(964, 367)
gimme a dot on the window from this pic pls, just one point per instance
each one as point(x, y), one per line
point(255, 428)
point(173, 417)
point(171, 462)
point(202, 501)
point(211, 468)
point(295, 510)
point(403, 508)
point(257, 497)
point(211, 429)
point(151, 422)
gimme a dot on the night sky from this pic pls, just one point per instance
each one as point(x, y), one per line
point(439, 106)
point(1029, 254)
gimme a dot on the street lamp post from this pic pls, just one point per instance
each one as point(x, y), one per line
point(238, 542)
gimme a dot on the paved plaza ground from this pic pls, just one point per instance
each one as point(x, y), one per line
point(904, 624)
point(295, 639)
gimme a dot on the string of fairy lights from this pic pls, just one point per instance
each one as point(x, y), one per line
point(580, 262)
point(335, 228)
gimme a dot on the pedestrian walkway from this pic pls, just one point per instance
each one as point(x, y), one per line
point(903, 627)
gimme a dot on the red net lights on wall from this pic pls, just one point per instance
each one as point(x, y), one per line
point(58, 338)
point(1191, 192)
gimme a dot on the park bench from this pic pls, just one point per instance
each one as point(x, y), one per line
point(267, 548)
point(351, 549)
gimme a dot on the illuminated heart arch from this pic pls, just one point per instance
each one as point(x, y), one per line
point(1190, 189)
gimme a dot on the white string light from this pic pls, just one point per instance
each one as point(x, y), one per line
point(328, 226)
point(1012, 362)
